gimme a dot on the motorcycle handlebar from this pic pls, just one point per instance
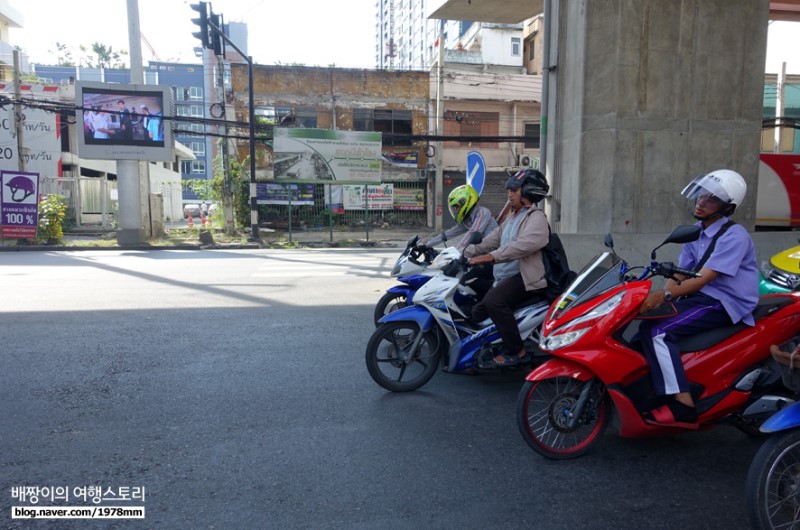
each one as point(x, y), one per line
point(670, 269)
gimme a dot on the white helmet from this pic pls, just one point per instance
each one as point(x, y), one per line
point(726, 185)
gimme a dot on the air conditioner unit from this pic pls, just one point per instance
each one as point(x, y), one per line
point(528, 161)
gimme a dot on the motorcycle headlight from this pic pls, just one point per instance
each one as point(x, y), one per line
point(555, 341)
point(574, 329)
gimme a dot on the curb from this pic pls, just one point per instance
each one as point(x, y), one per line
point(253, 246)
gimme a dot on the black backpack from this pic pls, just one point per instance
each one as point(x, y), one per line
point(556, 268)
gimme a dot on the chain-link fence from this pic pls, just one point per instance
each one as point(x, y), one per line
point(402, 203)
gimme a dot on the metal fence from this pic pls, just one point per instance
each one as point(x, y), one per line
point(319, 217)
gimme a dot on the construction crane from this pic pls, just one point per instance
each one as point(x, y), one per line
point(150, 47)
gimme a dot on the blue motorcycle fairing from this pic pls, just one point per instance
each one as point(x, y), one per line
point(405, 290)
point(415, 281)
point(421, 316)
point(462, 352)
point(786, 418)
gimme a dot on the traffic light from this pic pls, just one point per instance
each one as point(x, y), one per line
point(216, 33)
point(200, 7)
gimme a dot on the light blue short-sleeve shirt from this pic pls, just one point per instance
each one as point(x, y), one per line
point(734, 258)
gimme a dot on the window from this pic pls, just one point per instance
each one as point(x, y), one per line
point(532, 135)
point(196, 167)
point(362, 119)
point(198, 148)
point(532, 48)
point(189, 93)
point(516, 46)
point(306, 118)
point(194, 111)
point(473, 124)
point(191, 129)
point(392, 123)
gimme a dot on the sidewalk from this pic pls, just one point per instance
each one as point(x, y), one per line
point(376, 237)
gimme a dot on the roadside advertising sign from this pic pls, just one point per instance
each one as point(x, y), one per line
point(19, 204)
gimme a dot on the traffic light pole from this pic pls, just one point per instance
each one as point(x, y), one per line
point(219, 34)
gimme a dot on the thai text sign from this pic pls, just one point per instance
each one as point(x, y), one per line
point(19, 204)
point(377, 197)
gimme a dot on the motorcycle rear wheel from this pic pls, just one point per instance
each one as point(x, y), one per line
point(389, 302)
point(391, 363)
point(773, 483)
point(543, 408)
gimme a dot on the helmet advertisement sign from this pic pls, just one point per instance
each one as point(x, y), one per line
point(19, 204)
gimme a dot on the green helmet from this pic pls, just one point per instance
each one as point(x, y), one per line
point(461, 200)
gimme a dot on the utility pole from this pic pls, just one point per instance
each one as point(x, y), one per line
point(212, 36)
point(227, 190)
point(19, 126)
point(132, 230)
point(437, 185)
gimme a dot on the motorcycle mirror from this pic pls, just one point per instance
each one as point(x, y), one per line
point(609, 241)
point(681, 234)
point(475, 238)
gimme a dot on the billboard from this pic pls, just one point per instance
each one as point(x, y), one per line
point(41, 141)
point(124, 122)
point(326, 156)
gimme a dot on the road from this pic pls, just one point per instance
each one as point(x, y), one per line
point(231, 386)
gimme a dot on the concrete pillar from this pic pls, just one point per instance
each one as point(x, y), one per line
point(131, 231)
point(651, 93)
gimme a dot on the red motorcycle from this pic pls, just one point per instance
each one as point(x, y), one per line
point(597, 365)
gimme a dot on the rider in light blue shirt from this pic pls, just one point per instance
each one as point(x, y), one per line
point(725, 293)
point(734, 259)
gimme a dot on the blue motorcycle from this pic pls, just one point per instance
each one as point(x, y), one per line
point(773, 481)
point(411, 343)
point(412, 270)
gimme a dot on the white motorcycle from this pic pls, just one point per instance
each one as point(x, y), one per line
point(410, 343)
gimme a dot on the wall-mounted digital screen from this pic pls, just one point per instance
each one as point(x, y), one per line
point(124, 122)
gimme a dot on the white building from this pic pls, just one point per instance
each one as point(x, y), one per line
point(404, 38)
point(9, 18)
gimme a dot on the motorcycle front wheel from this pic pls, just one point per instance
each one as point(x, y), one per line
point(389, 302)
point(399, 362)
point(544, 410)
point(773, 483)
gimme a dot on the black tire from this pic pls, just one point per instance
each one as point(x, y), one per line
point(543, 407)
point(773, 483)
point(388, 349)
point(389, 302)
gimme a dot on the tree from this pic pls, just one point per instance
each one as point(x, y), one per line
point(104, 56)
point(64, 55)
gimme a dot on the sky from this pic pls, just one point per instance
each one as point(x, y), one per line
point(310, 32)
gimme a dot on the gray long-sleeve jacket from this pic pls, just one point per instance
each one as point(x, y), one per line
point(532, 237)
point(478, 220)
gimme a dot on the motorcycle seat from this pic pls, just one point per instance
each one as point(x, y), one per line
point(706, 339)
point(701, 341)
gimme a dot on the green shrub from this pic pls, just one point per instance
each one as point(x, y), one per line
point(52, 211)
